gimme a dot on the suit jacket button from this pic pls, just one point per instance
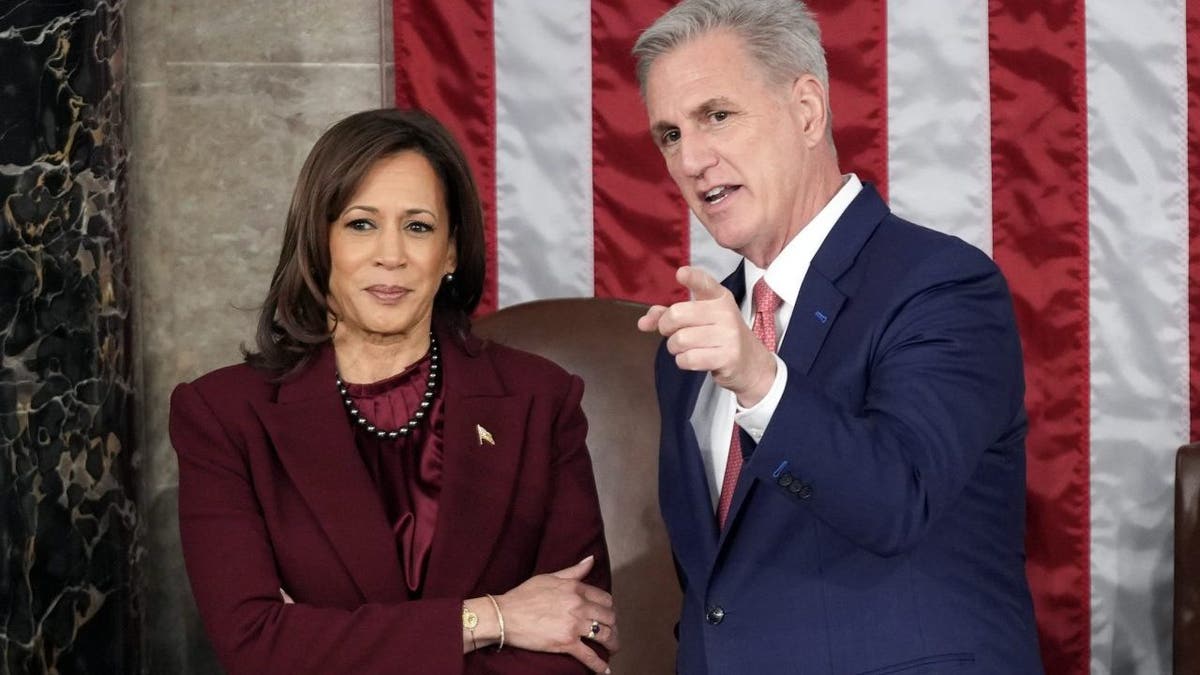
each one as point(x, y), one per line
point(801, 490)
point(715, 615)
point(786, 479)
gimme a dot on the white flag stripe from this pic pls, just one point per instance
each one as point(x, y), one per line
point(707, 254)
point(544, 236)
point(1138, 231)
point(939, 127)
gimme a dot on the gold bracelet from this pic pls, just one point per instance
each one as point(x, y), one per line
point(470, 621)
point(499, 619)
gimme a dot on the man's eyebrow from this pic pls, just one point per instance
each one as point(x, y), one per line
point(709, 105)
point(716, 103)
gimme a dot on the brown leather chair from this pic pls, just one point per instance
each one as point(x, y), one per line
point(599, 341)
point(1187, 560)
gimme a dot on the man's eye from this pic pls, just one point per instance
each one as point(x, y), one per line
point(670, 137)
point(719, 116)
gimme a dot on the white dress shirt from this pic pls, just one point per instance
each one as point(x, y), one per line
point(716, 407)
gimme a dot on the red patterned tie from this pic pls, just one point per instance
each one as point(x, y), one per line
point(765, 304)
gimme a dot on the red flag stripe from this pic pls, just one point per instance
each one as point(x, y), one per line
point(855, 37)
point(460, 91)
point(641, 222)
point(1040, 206)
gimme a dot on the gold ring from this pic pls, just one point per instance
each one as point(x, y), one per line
point(593, 631)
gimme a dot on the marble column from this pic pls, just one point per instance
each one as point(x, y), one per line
point(69, 527)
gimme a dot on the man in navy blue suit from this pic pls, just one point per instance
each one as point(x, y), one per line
point(842, 468)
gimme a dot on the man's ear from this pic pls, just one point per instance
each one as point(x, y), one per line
point(810, 103)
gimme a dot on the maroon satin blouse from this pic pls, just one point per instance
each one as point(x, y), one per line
point(407, 471)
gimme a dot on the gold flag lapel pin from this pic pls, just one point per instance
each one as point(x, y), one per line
point(485, 436)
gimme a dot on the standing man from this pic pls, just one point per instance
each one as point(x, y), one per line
point(842, 469)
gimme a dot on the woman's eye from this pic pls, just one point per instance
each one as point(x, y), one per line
point(360, 224)
point(420, 226)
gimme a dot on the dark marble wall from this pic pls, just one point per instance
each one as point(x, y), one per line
point(69, 543)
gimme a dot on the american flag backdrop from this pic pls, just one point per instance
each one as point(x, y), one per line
point(1060, 136)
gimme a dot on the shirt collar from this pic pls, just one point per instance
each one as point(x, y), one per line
point(786, 272)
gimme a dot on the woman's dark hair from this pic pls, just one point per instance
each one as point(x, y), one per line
point(293, 324)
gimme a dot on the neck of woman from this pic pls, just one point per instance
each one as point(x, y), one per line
point(363, 358)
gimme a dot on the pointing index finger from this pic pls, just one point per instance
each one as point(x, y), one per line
point(702, 285)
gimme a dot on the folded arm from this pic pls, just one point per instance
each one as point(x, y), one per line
point(235, 576)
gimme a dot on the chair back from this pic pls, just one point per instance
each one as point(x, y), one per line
point(598, 340)
point(1187, 560)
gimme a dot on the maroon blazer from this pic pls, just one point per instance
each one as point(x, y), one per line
point(273, 494)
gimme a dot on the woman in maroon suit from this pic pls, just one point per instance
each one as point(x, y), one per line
point(375, 490)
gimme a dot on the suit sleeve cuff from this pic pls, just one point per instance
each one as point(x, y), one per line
point(754, 420)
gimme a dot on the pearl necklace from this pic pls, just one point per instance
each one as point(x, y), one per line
point(431, 384)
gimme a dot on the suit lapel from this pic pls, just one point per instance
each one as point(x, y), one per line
point(688, 497)
point(813, 314)
point(478, 477)
point(736, 283)
point(315, 444)
point(818, 304)
point(699, 502)
point(683, 486)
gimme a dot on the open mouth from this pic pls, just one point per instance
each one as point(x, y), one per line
point(719, 193)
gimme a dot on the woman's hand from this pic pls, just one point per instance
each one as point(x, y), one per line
point(555, 612)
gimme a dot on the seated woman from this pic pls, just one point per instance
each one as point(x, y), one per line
point(375, 490)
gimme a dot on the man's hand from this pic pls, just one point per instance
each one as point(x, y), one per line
point(707, 333)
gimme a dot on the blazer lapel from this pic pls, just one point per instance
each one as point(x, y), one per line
point(736, 283)
point(819, 302)
point(815, 310)
point(687, 498)
point(683, 487)
point(315, 444)
point(478, 477)
point(698, 502)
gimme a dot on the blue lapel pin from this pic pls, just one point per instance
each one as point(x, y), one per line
point(820, 316)
point(779, 469)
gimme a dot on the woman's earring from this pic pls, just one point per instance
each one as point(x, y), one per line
point(448, 278)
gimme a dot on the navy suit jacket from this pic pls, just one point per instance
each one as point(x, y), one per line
point(878, 526)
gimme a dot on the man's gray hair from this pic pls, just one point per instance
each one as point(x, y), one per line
point(781, 35)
